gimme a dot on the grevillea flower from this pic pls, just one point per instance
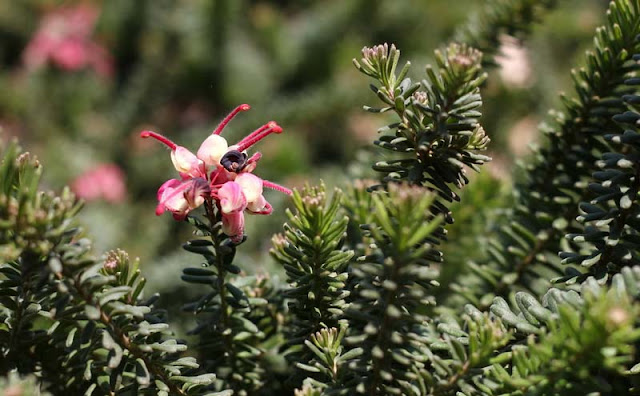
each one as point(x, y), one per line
point(64, 39)
point(219, 173)
point(180, 197)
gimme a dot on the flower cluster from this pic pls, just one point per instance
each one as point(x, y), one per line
point(220, 174)
point(64, 38)
point(105, 181)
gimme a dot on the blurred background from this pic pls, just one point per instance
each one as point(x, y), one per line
point(80, 80)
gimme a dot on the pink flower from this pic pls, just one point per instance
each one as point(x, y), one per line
point(218, 173)
point(244, 193)
point(232, 199)
point(252, 189)
point(180, 197)
point(105, 181)
point(64, 39)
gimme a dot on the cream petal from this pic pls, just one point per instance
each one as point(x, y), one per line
point(257, 205)
point(185, 161)
point(212, 150)
point(251, 186)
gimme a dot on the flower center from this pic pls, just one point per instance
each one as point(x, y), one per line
point(234, 161)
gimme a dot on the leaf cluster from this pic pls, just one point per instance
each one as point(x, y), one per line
point(79, 324)
point(356, 315)
point(235, 316)
point(310, 250)
point(523, 255)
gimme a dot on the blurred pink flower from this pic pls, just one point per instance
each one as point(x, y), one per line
point(105, 182)
point(64, 39)
point(220, 174)
point(514, 62)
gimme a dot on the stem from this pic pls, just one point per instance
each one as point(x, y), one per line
point(224, 321)
point(224, 317)
point(259, 134)
point(162, 139)
point(276, 187)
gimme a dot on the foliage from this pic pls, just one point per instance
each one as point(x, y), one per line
point(315, 265)
point(226, 332)
point(610, 230)
point(390, 284)
point(498, 19)
point(374, 298)
point(524, 255)
point(79, 323)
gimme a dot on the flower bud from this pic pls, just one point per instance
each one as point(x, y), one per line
point(185, 161)
point(251, 186)
point(212, 150)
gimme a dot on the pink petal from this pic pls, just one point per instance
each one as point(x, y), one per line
point(233, 225)
point(71, 55)
point(232, 200)
point(174, 201)
point(171, 198)
point(104, 181)
point(220, 176)
point(251, 186)
point(186, 162)
point(258, 205)
point(197, 192)
point(171, 183)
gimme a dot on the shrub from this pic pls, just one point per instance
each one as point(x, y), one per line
point(547, 305)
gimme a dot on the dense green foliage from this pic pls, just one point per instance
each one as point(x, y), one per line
point(525, 253)
point(80, 323)
point(378, 296)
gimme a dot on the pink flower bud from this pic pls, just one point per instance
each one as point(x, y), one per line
point(212, 150)
point(186, 162)
point(110, 265)
point(171, 198)
point(233, 225)
point(251, 186)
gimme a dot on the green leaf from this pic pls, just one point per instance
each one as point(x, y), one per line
point(142, 373)
point(92, 312)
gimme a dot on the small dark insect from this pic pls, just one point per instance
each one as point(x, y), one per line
point(234, 161)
